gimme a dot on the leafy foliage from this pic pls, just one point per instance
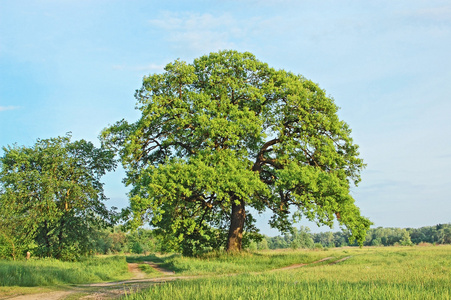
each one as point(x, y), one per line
point(51, 197)
point(227, 132)
point(301, 238)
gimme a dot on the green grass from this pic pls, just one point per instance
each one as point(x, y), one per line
point(149, 270)
point(371, 273)
point(7, 292)
point(223, 263)
point(49, 272)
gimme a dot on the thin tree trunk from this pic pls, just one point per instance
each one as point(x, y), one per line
point(14, 251)
point(234, 241)
point(47, 240)
point(60, 237)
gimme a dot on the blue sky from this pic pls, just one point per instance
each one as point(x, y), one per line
point(74, 66)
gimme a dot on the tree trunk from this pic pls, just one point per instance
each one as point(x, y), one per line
point(60, 238)
point(46, 238)
point(14, 251)
point(234, 241)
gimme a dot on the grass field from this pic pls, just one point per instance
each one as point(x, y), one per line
point(51, 272)
point(222, 263)
point(370, 273)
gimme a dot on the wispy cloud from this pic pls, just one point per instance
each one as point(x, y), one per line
point(147, 67)
point(442, 13)
point(198, 32)
point(5, 108)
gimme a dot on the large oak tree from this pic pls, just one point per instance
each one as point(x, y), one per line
point(228, 132)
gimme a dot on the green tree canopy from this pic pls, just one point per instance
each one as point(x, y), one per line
point(228, 132)
point(51, 196)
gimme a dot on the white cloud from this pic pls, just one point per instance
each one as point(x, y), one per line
point(148, 67)
point(201, 32)
point(192, 21)
point(442, 13)
point(4, 108)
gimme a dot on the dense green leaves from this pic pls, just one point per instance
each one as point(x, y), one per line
point(227, 132)
point(51, 196)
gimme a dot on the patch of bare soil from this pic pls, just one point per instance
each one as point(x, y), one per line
point(44, 296)
point(137, 273)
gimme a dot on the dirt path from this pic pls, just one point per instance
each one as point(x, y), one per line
point(299, 265)
point(158, 268)
point(44, 296)
point(134, 269)
point(113, 290)
point(105, 290)
point(340, 260)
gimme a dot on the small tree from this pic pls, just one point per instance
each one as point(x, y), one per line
point(405, 238)
point(301, 238)
point(16, 232)
point(51, 195)
point(263, 244)
point(142, 241)
point(444, 234)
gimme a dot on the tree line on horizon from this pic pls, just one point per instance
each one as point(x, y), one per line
point(380, 236)
point(145, 241)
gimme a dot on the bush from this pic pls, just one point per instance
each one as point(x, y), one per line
point(318, 246)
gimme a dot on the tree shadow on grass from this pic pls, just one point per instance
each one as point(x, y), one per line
point(142, 258)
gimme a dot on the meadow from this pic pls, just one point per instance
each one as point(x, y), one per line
point(410, 272)
point(370, 273)
point(217, 263)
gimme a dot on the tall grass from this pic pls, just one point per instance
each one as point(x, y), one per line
point(47, 272)
point(371, 273)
